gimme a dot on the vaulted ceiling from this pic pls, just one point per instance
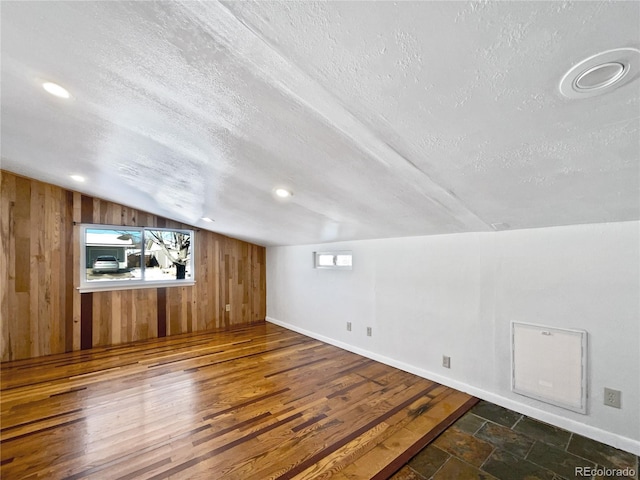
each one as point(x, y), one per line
point(385, 119)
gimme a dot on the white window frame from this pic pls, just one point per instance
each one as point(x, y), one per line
point(334, 254)
point(86, 286)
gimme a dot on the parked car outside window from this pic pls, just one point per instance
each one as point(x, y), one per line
point(106, 264)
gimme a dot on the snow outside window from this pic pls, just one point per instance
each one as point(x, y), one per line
point(116, 258)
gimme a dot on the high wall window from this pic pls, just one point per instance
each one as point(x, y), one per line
point(337, 260)
point(115, 257)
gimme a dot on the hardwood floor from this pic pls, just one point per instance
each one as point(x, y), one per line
point(256, 403)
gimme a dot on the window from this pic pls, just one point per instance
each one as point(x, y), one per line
point(336, 260)
point(115, 258)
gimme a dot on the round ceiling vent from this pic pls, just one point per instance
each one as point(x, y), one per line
point(601, 73)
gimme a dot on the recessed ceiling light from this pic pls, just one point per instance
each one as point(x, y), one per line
point(77, 178)
point(600, 76)
point(56, 90)
point(601, 73)
point(207, 219)
point(283, 193)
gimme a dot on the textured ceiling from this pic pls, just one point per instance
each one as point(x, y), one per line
point(385, 119)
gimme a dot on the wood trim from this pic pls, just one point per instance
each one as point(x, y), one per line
point(86, 321)
point(68, 278)
point(162, 312)
point(23, 234)
point(86, 209)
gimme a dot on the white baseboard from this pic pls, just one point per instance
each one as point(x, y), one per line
point(603, 436)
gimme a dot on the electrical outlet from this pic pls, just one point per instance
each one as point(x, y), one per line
point(612, 398)
point(446, 361)
point(368, 331)
point(348, 326)
point(227, 307)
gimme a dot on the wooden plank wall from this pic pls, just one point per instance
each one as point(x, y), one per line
point(41, 311)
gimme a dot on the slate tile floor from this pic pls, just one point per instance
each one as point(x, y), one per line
point(493, 443)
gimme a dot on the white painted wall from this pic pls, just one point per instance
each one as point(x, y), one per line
point(458, 294)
